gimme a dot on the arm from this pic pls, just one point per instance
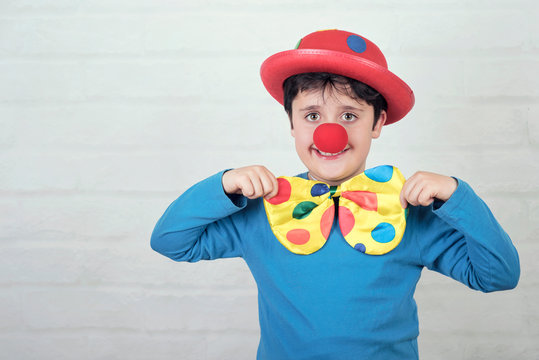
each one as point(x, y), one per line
point(198, 225)
point(461, 239)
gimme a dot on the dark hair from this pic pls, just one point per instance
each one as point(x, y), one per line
point(320, 80)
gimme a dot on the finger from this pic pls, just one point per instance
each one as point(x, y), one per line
point(404, 203)
point(409, 189)
point(265, 181)
point(425, 197)
point(413, 196)
point(275, 189)
point(246, 187)
point(271, 186)
point(403, 194)
point(257, 187)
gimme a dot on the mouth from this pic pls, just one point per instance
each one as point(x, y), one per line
point(329, 156)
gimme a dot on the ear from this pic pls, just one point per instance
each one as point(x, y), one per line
point(378, 128)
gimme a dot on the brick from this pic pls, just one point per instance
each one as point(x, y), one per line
point(465, 126)
point(513, 213)
point(232, 346)
point(232, 312)
point(113, 345)
point(51, 266)
point(503, 78)
point(439, 78)
point(532, 114)
point(172, 33)
point(36, 80)
point(529, 272)
point(8, 135)
point(11, 314)
point(487, 171)
point(73, 34)
point(455, 308)
point(184, 78)
point(299, 7)
point(470, 345)
point(533, 233)
point(135, 309)
point(44, 346)
point(73, 219)
point(148, 346)
point(37, 265)
point(116, 265)
point(13, 7)
point(162, 170)
point(494, 32)
point(170, 126)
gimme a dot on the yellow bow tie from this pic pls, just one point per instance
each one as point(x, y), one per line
point(371, 218)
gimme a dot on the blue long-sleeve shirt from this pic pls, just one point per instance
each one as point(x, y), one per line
point(338, 303)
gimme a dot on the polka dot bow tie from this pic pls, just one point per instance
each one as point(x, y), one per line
point(371, 218)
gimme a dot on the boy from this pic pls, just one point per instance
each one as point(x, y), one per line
point(336, 268)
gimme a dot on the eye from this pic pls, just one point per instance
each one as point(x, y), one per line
point(348, 117)
point(313, 116)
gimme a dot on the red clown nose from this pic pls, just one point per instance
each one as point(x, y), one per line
point(330, 138)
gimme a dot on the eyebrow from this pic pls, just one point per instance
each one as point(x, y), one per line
point(310, 107)
point(345, 107)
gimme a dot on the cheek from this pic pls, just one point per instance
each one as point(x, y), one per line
point(302, 134)
point(304, 137)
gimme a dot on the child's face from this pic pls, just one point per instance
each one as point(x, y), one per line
point(312, 108)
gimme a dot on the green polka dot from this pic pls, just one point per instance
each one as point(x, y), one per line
point(303, 209)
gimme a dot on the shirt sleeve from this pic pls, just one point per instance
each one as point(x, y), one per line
point(461, 239)
point(198, 225)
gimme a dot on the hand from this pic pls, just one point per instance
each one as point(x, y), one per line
point(423, 187)
point(250, 181)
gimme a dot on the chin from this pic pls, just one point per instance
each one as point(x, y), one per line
point(331, 177)
point(339, 176)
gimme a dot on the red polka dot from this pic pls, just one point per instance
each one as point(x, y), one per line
point(365, 199)
point(346, 220)
point(283, 194)
point(327, 221)
point(298, 236)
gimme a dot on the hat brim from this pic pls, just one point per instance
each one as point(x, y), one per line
point(277, 68)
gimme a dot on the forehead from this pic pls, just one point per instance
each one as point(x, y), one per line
point(330, 95)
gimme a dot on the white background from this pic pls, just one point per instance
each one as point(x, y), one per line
point(109, 110)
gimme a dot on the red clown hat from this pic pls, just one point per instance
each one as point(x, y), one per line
point(342, 53)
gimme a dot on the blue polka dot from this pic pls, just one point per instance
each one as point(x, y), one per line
point(356, 43)
point(383, 233)
point(382, 173)
point(360, 247)
point(319, 189)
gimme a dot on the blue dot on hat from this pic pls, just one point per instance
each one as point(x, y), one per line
point(382, 173)
point(319, 189)
point(383, 233)
point(356, 43)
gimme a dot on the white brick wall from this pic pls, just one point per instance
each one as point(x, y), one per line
point(110, 109)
